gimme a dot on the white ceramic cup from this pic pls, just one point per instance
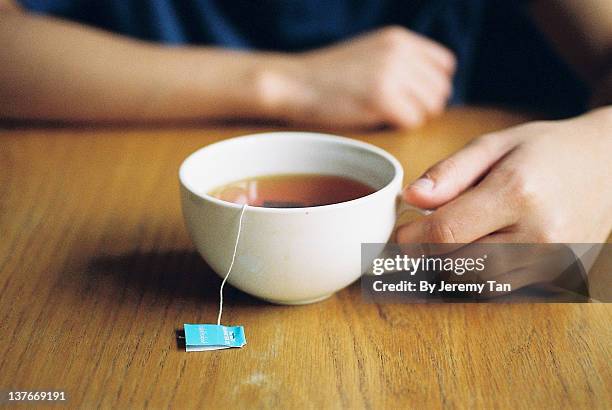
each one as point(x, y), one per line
point(289, 255)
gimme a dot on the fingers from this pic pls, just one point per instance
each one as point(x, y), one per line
point(410, 97)
point(421, 69)
point(402, 110)
point(429, 83)
point(432, 50)
point(404, 80)
point(448, 178)
point(439, 55)
point(417, 99)
point(471, 216)
point(504, 256)
point(519, 265)
point(431, 99)
point(438, 83)
point(517, 279)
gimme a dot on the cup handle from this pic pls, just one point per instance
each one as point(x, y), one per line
point(403, 206)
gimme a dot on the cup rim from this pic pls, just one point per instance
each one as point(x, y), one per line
point(315, 136)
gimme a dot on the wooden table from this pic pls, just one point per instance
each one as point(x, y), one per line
point(97, 272)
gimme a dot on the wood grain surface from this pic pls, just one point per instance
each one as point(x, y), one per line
point(97, 272)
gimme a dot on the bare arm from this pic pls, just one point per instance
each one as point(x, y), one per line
point(543, 181)
point(54, 69)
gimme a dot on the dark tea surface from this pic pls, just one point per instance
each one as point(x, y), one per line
point(292, 190)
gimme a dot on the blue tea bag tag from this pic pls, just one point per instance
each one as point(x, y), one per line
point(199, 338)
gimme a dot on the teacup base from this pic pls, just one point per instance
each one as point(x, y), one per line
point(299, 302)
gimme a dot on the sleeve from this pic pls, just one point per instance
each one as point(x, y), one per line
point(61, 8)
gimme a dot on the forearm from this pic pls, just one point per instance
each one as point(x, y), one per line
point(57, 70)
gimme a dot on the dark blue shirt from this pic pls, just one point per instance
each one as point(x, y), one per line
point(499, 53)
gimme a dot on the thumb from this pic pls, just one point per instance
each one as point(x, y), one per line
point(450, 177)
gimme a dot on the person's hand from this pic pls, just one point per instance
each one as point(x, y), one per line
point(391, 76)
point(538, 182)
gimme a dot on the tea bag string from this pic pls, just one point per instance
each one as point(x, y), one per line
point(244, 207)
